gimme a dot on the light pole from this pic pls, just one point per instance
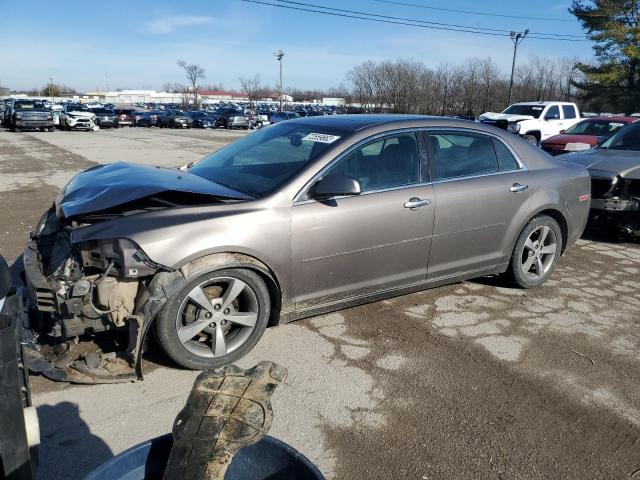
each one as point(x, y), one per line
point(279, 54)
point(518, 38)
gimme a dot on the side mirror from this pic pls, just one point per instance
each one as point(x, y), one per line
point(335, 186)
point(562, 131)
point(5, 278)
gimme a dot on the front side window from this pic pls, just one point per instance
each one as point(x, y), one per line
point(553, 113)
point(462, 154)
point(385, 163)
point(263, 161)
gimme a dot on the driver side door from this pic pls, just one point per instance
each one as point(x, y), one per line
point(348, 247)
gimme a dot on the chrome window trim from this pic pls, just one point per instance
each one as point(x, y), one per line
point(427, 130)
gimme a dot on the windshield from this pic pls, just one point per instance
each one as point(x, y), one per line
point(264, 160)
point(627, 138)
point(29, 106)
point(77, 108)
point(531, 110)
point(598, 128)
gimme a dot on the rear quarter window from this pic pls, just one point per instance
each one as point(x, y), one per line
point(506, 161)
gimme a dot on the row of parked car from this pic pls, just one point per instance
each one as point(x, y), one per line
point(19, 114)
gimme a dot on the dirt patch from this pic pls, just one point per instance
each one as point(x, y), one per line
point(32, 172)
point(481, 381)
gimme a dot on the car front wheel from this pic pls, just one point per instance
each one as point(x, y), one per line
point(536, 253)
point(215, 319)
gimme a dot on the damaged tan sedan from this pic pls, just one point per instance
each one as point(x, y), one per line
point(303, 217)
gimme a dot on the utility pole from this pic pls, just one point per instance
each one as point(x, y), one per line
point(51, 89)
point(279, 54)
point(517, 38)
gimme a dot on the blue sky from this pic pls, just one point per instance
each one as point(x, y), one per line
point(136, 44)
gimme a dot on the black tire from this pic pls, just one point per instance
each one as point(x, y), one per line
point(522, 253)
point(12, 128)
point(50, 129)
point(167, 321)
point(532, 139)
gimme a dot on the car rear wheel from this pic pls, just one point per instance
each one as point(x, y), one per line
point(215, 319)
point(536, 253)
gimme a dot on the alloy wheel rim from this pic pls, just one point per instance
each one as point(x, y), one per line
point(539, 253)
point(217, 317)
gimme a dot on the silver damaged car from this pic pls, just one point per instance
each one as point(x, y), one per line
point(303, 217)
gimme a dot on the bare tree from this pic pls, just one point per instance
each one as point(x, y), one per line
point(251, 87)
point(193, 72)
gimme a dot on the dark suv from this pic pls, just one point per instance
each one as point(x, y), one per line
point(174, 119)
point(30, 114)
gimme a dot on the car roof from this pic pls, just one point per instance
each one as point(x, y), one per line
point(355, 123)
point(613, 118)
point(544, 103)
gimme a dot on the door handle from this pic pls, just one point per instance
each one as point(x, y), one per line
point(517, 188)
point(415, 203)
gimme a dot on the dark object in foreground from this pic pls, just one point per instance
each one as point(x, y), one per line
point(269, 459)
point(227, 409)
point(218, 435)
point(15, 456)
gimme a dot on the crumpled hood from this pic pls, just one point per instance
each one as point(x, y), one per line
point(504, 116)
point(625, 163)
point(106, 186)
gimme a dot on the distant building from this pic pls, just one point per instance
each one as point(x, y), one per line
point(4, 91)
point(333, 101)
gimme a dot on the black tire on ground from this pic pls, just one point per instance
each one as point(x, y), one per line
point(167, 321)
point(50, 129)
point(532, 139)
point(13, 129)
point(531, 236)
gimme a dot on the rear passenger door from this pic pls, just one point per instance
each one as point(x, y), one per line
point(481, 191)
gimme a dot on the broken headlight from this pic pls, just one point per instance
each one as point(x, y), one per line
point(127, 260)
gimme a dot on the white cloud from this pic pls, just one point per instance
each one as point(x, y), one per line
point(163, 25)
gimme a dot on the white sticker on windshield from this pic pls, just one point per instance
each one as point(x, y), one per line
point(320, 137)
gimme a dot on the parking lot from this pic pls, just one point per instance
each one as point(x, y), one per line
point(473, 380)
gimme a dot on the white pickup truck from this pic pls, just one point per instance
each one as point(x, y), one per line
point(535, 121)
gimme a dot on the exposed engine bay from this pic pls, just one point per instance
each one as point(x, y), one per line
point(76, 291)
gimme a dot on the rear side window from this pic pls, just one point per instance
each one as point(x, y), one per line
point(462, 154)
point(569, 111)
point(506, 161)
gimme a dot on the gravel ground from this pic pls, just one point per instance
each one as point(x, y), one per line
point(468, 381)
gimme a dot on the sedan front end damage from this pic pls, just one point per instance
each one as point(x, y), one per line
point(616, 200)
point(79, 291)
point(79, 285)
point(615, 180)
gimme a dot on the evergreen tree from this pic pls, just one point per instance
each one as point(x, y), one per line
point(613, 83)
